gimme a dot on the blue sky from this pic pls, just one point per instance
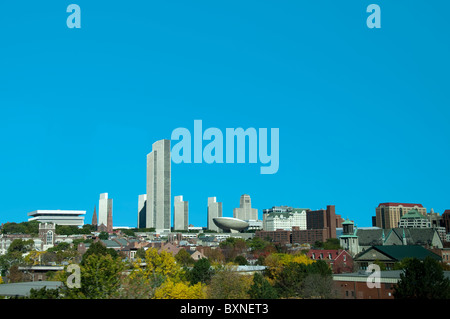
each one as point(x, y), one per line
point(363, 113)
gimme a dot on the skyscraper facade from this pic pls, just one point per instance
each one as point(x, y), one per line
point(104, 204)
point(388, 214)
point(180, 213)
point(142, 210)
point(214, 210)
point(158, 208)
point(245, 210)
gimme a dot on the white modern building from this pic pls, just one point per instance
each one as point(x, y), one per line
point(214, 211)
point(104, 204)
point(59, 217)
point(285, 219)
point(180, 213)
point(158, 208)
point(414, 219)
point(245, 210)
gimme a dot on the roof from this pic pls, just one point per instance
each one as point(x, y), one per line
point(406, 251)
point(416, 236)
point(402, 204)
point(23, 288)
point(413, 214)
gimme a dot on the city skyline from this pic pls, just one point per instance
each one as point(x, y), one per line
point(362, 113)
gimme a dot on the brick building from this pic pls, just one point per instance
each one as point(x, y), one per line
point(339, 260)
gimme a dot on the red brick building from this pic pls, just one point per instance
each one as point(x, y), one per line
point(339, 260)
point(355, 285)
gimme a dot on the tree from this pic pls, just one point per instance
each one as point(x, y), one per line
point(179, 290)
point(422, 280)
point(261, 288)
point(184, 258)
point(201, 272)
point(227, 284)
point(103, 235)
point(98, 248)
point(240, 260)
point(293, 280)
point(101, 277)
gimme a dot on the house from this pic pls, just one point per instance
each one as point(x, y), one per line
point(196, 255)
point(389, 255)
point(339, 260)
point(170, 248)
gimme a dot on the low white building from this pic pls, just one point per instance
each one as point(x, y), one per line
point(59, 217)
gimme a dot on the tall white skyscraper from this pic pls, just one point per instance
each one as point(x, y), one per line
point(214, 210)
point(158, 210)
point(142, 210)
point(104, 205)
point(245, 210)
point(180, 213)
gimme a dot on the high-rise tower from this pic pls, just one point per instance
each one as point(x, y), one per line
point(158, 210)
point(104, 206)
point(245, 210)
point(180, 213)
point(214, 210)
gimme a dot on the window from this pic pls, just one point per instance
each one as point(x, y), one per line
point(49, 237)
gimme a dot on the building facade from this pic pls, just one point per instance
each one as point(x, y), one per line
point(59, 217)
point(180, 213)
point(245, 210)
point(142, 210)
point(413, 219)
point(388, 214)
point(214, 210)
point(158, 208)
point(323, 219)
point(104, 205)
point(294, 217)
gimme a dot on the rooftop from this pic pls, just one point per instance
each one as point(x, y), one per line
point(400, 204)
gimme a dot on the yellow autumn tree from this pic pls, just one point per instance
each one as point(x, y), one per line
point(276, 262)
point(34, 257)
point(180, 290)
point(157, 266)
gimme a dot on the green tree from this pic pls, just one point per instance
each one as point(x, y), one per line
point(103, 235)
point(98, 248)
point(422, 280)
point(227, 284)
point(201, 272)
point(261, 288)
point(184, 258)
point(240, 260)
point(101, 278)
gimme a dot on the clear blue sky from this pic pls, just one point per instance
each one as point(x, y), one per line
point(363, 113)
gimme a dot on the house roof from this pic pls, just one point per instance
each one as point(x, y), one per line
point(398, 252)
point(24, 288)
point(413, 214)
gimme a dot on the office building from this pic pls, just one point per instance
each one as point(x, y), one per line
point(413, 219)
point(142, 210)
point(324, 219)
point(180, 213)
point(388, 214)
point(59, 217)
point(214, 210)
point(284, 217)
point(158, 210)
point(104, 205)
point(245, 210)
